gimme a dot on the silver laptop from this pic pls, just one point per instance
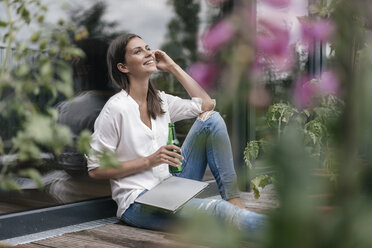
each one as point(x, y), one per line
point(172, 193)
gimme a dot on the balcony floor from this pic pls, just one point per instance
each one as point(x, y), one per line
point(120, 235)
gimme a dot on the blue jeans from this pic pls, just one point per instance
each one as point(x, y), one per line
point(206, 143)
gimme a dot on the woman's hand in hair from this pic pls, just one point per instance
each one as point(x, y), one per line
point(164, 62)
point(166, 155)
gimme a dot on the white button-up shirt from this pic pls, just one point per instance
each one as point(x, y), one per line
point(120, 129)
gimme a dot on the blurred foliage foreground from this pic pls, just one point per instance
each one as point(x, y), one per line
point(319, 140)
point(36, 73)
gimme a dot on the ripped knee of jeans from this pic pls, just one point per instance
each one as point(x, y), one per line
point(205, 115)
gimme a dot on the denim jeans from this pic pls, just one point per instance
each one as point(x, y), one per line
point(206, 143)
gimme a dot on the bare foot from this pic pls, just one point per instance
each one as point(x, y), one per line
point(237, 202)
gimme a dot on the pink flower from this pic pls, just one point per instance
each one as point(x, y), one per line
point(318, 30)
point(275, 41)
point(329, 84)
point(278, 3)
point(274, 44)
point(217, 36)
point(204, 73)
point(304, 92)
point(271, 46)
point(307, 91)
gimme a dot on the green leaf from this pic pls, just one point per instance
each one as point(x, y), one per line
point(3, 24)
point(263, 180)
point(260, 181)
point(46, 69)
point(280, 112)
point(315, 130)
point(256, 191)
point(23, 70)
point(26, 15)
point(36, 91)
point(75, 52)
point(62, 138)
point(65, 88)
point(109, 160)
point(34, 175)
point(53, 51)
point(9, 184)
point(39, 128)
point(40, 18)
point(6, 36)
point(53, 113)
point(35, 36)
point(251, 152)
point(61, 22)
point(19, 8)
point(22, 47)
point(66, 76)
point(83, 142)
point(63, 40)
point(43, 44)
point(28, 151)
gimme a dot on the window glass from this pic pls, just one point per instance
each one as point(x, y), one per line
point(173, 26)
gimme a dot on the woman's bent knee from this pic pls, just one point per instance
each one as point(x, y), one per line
point(205, 115)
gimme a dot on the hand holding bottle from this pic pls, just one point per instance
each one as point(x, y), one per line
point(172, 140)
point(166, 155)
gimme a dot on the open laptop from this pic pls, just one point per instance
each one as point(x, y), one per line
point(172, 193)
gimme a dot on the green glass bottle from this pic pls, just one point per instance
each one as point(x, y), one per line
point(172, 140)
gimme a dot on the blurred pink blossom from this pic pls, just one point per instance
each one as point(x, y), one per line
point(204, 73)
point(273, 42)
point(217, 36)
point(283, 63)
point(278, 3)
point(318, 30)
point(304, 92)
point(329, 84)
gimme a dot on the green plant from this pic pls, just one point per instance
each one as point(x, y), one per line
point(34, 74)
point(310, 124)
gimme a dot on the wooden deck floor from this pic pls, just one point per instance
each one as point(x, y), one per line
point(120, 235)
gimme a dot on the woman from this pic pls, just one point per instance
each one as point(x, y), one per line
point(134, 125)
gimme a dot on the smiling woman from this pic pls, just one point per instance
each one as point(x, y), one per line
point(133, 124)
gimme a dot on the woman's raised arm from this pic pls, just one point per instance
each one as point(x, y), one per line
point(165, 63)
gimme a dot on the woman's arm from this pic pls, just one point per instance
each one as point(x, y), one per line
point(165, 63)
point(163, 155)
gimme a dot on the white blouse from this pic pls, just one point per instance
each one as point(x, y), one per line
point(120, 129)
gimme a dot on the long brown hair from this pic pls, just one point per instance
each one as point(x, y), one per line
point(116, 54)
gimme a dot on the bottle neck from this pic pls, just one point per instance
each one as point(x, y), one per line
point(174, 137)
point(170, 133)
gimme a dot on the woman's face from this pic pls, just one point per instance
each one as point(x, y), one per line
point(139, 58)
